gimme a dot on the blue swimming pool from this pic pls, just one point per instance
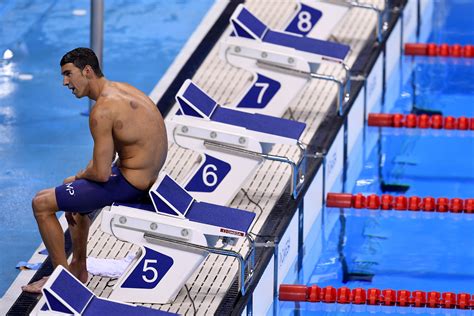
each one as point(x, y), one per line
point(405, 250)
point(43, 136)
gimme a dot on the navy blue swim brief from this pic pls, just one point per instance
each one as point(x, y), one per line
point(85, 196)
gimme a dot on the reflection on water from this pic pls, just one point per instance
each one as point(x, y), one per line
point(7, 73)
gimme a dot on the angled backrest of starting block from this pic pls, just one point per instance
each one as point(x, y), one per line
point(64, 294)
point(169, 198)
point(247, 25)
point(195, 102)
point(166, 192)
point(190, 93)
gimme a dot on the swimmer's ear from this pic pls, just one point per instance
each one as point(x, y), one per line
point(88, 71)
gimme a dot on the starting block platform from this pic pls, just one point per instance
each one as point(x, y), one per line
point(176, 233)
point(254, 39)
point(232, 143)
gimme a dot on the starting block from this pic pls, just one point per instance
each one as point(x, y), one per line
point(63, 294)
point(232, 144)
point(254, 46)
point(176, 233)
point(251, 38)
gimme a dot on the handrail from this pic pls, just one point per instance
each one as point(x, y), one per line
point(381, 24)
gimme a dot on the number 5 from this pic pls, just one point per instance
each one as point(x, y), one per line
point(146, 268)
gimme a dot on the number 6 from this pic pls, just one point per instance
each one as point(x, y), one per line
point(206, 173)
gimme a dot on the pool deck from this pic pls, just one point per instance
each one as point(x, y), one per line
point(209, 284)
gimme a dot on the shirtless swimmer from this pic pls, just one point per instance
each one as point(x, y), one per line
point(123, 121)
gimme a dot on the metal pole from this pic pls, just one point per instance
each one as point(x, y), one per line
point(97, 33)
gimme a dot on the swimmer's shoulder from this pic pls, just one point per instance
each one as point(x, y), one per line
point(102, 110)
point(105, 105)
point(126, 94)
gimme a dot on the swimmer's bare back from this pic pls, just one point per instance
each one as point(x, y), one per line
point(138, 131)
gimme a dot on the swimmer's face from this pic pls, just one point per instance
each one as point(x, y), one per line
point(75, 79)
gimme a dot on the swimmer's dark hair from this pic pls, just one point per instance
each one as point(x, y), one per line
point(81, 57)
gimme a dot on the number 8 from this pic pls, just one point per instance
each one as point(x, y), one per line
point(304, 21)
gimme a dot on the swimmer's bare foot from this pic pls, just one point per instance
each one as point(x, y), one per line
point(35, 287)
point(79, 271)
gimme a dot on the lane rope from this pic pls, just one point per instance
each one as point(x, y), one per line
point(443, 50)
point(374, 296)
point(420, 121)
point(400, 203)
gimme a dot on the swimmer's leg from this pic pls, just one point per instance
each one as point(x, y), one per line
point(79, 229)
point(44, 208)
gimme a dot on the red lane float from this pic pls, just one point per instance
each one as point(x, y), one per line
point(420, 121)
point(400, 203)
point(444, 50)
point(373, 296)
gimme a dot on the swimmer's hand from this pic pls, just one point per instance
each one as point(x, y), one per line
point(80, 174)
point(69, 179)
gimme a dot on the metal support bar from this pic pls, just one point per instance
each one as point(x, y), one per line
point(157, 239)
point(347, 86)
point(382, 25)
point(251, 254)
point(342, 96)
point(97, 33)
point(97, 28)
point(318, 155)
point(298, 169)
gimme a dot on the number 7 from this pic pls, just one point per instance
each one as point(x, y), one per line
point(264, 86)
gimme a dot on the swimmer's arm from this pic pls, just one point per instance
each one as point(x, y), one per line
point(101, 123)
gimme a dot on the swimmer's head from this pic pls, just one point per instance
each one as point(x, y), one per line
point(78, 67)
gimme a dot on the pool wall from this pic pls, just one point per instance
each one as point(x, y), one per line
point(338, 138)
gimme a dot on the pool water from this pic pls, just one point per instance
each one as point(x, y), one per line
point(407, 250)
point(43, 136)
